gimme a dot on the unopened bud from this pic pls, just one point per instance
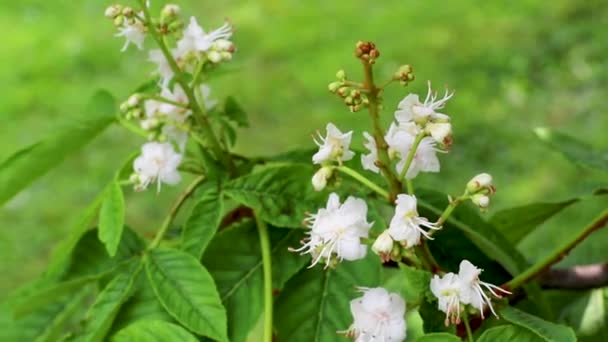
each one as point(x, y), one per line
point(481, 200)
point(119, 20)
point(224, 45)
point(112, 11)
point(341, 75)
point(383, 244)
point(134, 100)
point(128, 11)
point(124, 107)
point(170, 11)
point(226, 56)
point(334, 86)
point(319, 179)
point(479, 182)
point(214, 56)
point(441, 132)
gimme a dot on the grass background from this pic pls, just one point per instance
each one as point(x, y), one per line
point(514, 65)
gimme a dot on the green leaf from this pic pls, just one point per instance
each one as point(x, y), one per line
point(49, 295)
point(153, 331)
point(203, 222)
point(411, 283)
point(100, 316)
point(112, 217)
point(548, 331)
point(50, 322)
point(438, 337)
point(508, 333)
point(233, 110)
point(281, 193)
point(588, 315)
point(433, 319)
point(187, 291)
point(90, 257)
point(142, 305)
point(573, 149)
point(234, 259)
point(62, 253)
point(316, 303)
point(30, 163)
point(516, 223)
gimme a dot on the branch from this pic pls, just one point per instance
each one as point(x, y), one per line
point(579, 277)
point(541, 267)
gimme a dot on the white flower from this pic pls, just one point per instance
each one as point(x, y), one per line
point(134, 32)
point(336, 230)
point(406, 225)
point(334, 147)
point(157, 162)
point(400, 139)
point(448, 290)
point(163, 68)
point(441, 132)
point(410, 109)
point(471, 288)
point(196, 39)
point(378, 316)
point(319, 179)
point(369, 160)
point(383, 245)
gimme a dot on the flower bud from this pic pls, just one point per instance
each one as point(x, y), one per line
point(214, 56)
point(341, 75)
point(479, 182)
point(441, 132)
point(112, 11)
point(319, 180)
point(334, 86)
point(383, 244)
point(481, 200)
point(226, 56)
point(119, 20)
point(127, 11)
point(124, 107)
point(170, 11)
point(224, 45)
point(134, 100)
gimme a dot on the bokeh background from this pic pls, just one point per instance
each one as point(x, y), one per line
point(514, 66)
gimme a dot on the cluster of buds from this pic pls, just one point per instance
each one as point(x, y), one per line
point(353, 98)
point(479, 189)
point(367, 52)
point(170, 21)
point(404, 75)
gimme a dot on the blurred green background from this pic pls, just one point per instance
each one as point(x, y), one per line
point(514, 65)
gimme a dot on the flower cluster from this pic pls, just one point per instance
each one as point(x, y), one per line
point(413, 137)
point(378, 316)
point(336, 232)
point(165, 116)
point(453, 290)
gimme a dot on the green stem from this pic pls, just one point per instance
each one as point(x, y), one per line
point(132, 127)
point(197, 111)
point(411, 155)
point(467, 326)
point(383, 158)
point(267, 266)
point(410, 186)
point(558, 254)
point(165, 100)
point(448, 211)
point(175, 210)
point(363, 180)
